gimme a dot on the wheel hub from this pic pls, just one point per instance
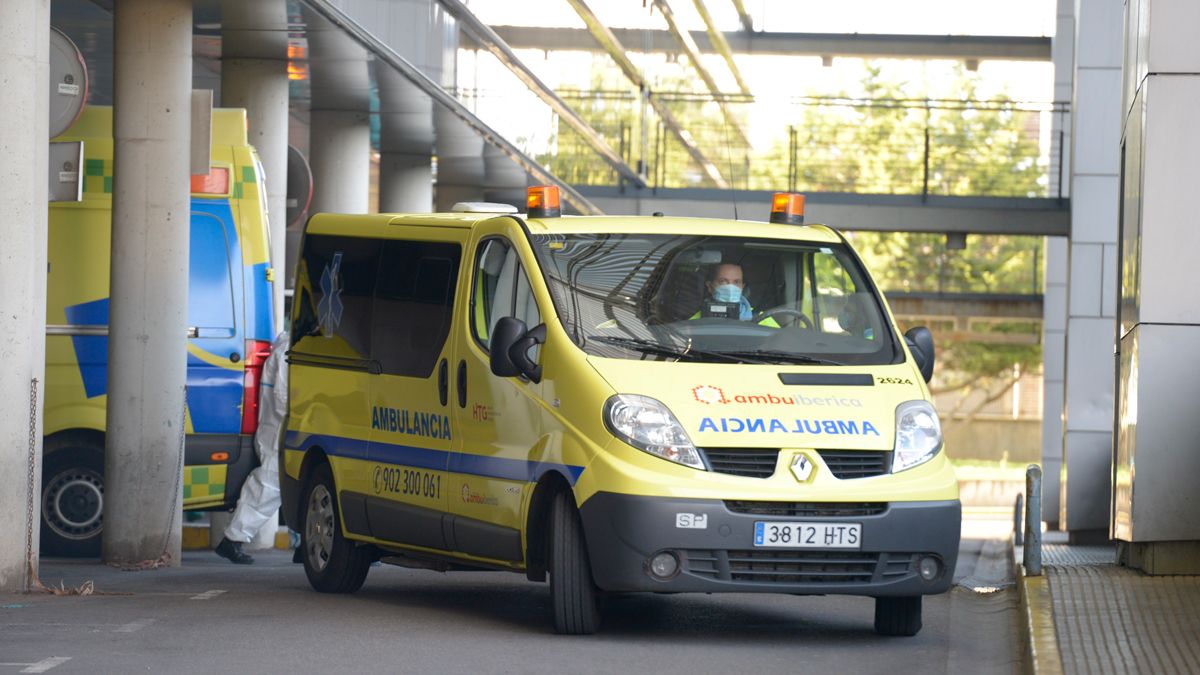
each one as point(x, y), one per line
point(73, 503)
point(318, 528)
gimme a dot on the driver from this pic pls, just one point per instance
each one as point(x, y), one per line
point(724, 297)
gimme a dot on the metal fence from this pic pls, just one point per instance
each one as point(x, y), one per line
point(875, 146)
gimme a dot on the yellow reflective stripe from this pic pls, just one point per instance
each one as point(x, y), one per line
point(200, 483)
point(212, 359)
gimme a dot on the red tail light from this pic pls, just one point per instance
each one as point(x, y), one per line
point(257, 352)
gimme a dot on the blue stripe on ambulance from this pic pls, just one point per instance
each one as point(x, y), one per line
point(91, 351)
point(428, 458)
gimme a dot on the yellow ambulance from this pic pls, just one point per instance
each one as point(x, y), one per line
point(230, 326)
point(618, 403)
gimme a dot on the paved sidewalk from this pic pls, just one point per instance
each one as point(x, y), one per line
point(1111, 619)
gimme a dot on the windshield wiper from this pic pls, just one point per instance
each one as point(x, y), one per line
point(688, 352)
point(644, 346)
point(652, 347)
point(770, 355)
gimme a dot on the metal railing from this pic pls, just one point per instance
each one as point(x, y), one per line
point(997, 148)
point(1031, 541)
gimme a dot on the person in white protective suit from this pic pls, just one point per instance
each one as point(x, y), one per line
point(259, 500)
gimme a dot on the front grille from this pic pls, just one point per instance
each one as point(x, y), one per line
point(807, 509)
point(749, 462)
point(798, 567)
point(857, 463)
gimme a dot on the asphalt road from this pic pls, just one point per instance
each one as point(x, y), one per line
point(210, 616)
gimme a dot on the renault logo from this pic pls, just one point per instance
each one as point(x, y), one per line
point(802, 467)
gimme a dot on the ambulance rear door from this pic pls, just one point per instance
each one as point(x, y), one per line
point(216, 358)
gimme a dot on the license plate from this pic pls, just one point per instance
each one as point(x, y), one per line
point(808, 535)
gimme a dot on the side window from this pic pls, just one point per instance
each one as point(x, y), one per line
point(500, 289)
point(210, 285)
point(842, 307)
point(336, 297)
point(414, 299)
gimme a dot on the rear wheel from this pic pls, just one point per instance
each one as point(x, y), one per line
point(898, 616)
point(332, 563)
point(72, 500)
point(572, 591)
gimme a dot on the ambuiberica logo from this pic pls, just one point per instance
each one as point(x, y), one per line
point(812, 425)
point(707, 393)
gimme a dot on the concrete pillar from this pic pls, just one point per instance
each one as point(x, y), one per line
point(406, 145)
point(1054, 362)
point(460, 166)
point(1054, 313)
point(1088, 409)
point(254, 57)
point(340, 137)
point(504, 181)
point(24, 136)
point(1156, 517)
point(147, 346)
point(414, 29)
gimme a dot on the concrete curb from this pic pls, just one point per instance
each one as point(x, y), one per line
point(1038, 633)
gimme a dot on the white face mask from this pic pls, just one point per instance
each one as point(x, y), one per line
point(727, 293)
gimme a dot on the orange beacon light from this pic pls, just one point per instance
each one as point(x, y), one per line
point(542, 201)
point(787, 208)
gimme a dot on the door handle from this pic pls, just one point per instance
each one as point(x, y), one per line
point(444, 382)
point(462, 384)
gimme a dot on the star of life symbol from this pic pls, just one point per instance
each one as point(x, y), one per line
point(330, 307)
point(706, 393)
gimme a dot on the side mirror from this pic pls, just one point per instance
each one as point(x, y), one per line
point(504, 335)
point(920, 343)
point(510, 347)
point(518, 353)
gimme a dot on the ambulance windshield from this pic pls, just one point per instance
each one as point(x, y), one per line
point(715, 299)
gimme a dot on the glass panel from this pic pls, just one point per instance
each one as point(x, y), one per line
point(210, 281)
point(336, 280)
point(714, 299)
point(414, 299)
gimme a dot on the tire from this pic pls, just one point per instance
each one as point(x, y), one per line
point(332, 563)
point(898, 616)
point(72, 499)
point(572, 591)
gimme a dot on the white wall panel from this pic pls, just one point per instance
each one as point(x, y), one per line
point(1086, 271)
point(1097, 114)
point(1090, 369)
point(1094, 203)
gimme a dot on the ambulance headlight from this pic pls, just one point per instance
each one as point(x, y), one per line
point(648, 425)
point(918, 435)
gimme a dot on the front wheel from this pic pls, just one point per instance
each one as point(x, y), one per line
point(898, 616)
point(332, 563)
point(572, 591)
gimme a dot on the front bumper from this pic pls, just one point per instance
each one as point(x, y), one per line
point(624, 531)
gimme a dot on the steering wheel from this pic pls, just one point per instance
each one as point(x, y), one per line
point(802, 320)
